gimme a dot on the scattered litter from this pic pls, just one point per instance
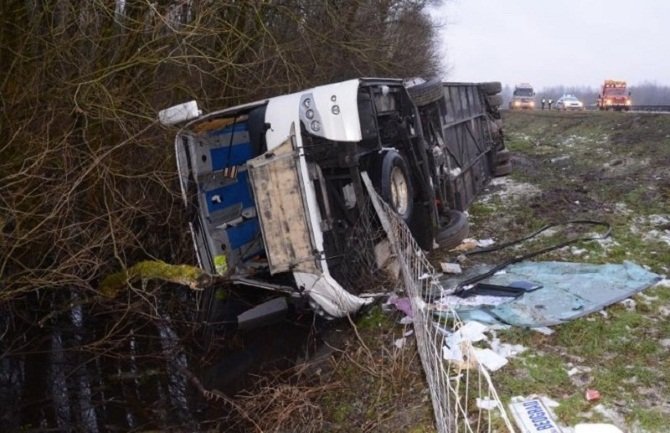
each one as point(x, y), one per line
point(486, 403)
point(532, 415)
point(401, 304)
point(454, 302)
point(543, 330)
point(489, 359)
point(466, 245)
point(400, 342)
point(506, 350)
point(470, 244)
point(408, 333)
point(451, 268)
point(483, 243)
point(452, 353)
point(592, 394)
point(406, 320)
point(579, 369)
point(471, 331)
point(665, 343)
point(597, 428)
point(629, 304)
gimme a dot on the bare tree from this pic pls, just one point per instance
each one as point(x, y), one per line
point(88, 185)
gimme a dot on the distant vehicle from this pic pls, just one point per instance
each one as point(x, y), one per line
point(569, 102)
point(614, 96)
point(523, 97)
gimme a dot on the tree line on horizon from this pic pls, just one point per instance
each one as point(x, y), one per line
point(646, 93)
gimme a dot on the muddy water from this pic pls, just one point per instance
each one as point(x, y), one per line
point(134, 365)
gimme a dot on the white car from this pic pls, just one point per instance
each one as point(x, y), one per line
point(569, 102)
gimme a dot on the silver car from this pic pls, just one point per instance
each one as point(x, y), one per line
point(569, 102)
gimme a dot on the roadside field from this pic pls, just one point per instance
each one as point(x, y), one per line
point(609, 167)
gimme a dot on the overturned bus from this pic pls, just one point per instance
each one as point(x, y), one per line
point(274, 186)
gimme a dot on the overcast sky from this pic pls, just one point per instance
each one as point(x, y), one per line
point(551, 42)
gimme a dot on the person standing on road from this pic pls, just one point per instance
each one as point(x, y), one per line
point(544, 101)
point(550, 102)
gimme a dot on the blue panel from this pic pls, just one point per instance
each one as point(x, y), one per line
point(223, 157)
point(239, 127)
point(569, 290)
point(243, 233)
point(229, 195)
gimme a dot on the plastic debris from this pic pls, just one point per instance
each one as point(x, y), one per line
point(490, 359)
point(451, 268)
point(400, 342)
point(471, 331)
point(483, 243)
point(401, 304)
point(543, 330)
point(466, 245)
point(597, 428)
point(592, 394)
point(486, 403)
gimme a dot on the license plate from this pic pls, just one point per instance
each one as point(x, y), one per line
point(532, 416)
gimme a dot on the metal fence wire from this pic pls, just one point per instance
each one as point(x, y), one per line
point(463, 395)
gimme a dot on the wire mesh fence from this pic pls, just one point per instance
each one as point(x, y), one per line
point(463, 395)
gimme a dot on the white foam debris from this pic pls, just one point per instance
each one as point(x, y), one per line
point(451, 268)
point(506, 350)
point(491, 360)
point(486, 403)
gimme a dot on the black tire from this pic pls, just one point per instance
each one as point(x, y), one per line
point(503, 169)
point(393, 164)
point(426, 93)
point(494, 100)
point(422, 226)
point(454, 230)
point(491, 87)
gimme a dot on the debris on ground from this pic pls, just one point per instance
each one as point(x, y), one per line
point(451, 268)
point(401, 304)
point(469, 244)
point(597, 428)
point(486, 403)
point(568, 291)
point(592, 394)
point(459, 343)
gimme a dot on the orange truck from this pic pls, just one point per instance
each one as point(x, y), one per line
point(614, 96)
